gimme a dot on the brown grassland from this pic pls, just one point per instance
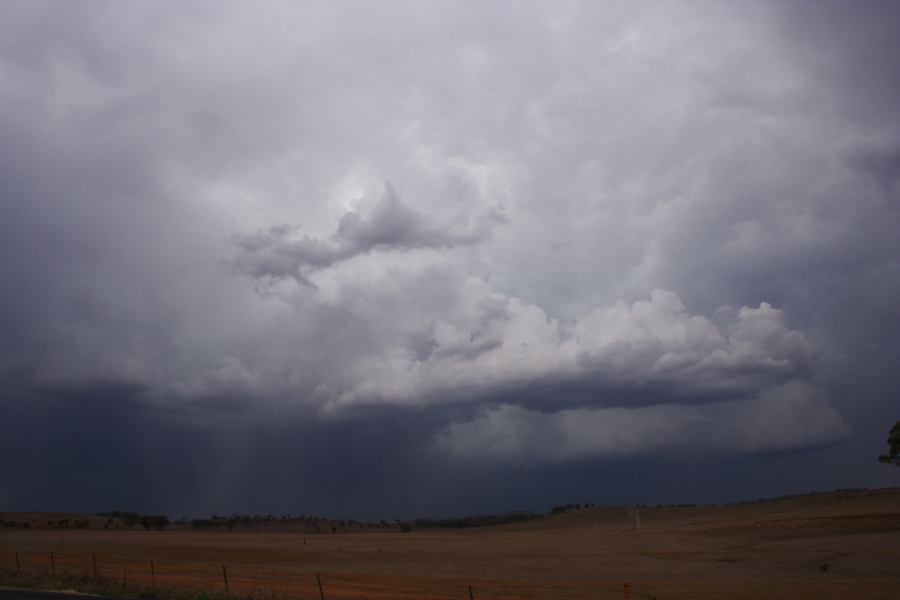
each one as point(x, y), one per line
point(837, 545)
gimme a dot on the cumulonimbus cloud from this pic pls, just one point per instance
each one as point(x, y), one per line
point(736, 158)
point(650, 376)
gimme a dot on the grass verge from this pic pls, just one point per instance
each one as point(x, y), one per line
point(102, 586)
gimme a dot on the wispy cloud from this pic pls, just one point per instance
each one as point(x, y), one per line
point(279, 252)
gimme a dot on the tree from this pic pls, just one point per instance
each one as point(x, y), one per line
point(154, 521)
point(893, 455)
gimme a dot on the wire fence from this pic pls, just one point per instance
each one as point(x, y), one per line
point(144, 577)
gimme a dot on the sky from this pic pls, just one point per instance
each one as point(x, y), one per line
point(404, 259)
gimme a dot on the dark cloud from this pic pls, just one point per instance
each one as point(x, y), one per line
point(881, 163)
point(850, 48)
point(623, 239)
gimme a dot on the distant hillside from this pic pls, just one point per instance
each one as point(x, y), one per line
point(846, 502)
point(855, 509)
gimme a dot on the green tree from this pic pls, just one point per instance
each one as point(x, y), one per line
point(893, 455)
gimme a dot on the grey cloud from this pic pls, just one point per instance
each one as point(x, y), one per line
point(556, 163)
point(858, 73)
point(489, 342)
point(392, 225)
point(881, 162)
point(783, 418)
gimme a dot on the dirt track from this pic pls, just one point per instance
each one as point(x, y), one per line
point(841, 545)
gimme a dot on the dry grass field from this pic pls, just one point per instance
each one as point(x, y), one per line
point(838, 545)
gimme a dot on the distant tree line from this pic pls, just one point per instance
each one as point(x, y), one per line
point(156, 522)
point(313, 524)
point(567, 507)
point(475, 521)
point(214, 522)
point(13, 524)
point(130, 519)
point(60, 524)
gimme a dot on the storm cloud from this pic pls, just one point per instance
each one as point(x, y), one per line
point(404, 247)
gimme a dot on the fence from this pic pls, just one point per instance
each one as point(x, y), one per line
point(132, 576)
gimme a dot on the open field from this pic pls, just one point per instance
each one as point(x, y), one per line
point(838, 545)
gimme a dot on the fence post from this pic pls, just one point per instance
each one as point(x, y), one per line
point(18, 567)
point(321, 591)
point(94, 559)
point(152, 572)
point(471, 594)
point(52, 564)
point(225, 577)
